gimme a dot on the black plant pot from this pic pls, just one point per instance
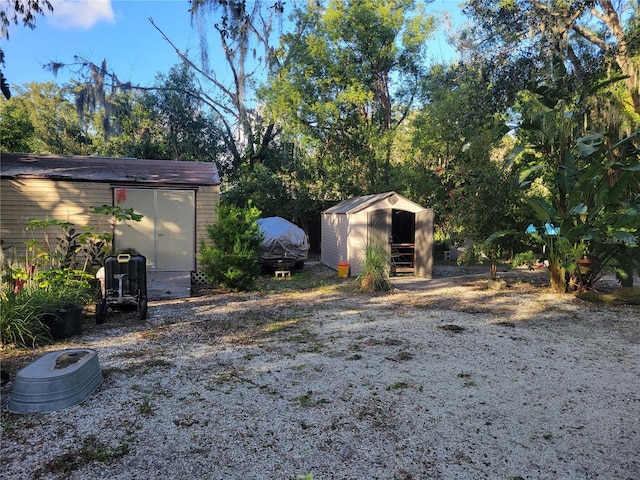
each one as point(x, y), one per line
point(64, 322)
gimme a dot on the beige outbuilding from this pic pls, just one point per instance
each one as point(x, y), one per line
point(403, 227)
point(177, 200)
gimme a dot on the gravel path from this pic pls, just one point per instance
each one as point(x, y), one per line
point(441, 379)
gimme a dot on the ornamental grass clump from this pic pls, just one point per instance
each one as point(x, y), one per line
point(376, 269)
point(21, 317)
point(26, 304)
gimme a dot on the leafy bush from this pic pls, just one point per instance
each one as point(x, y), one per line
point(376, 269)
point(232, 259)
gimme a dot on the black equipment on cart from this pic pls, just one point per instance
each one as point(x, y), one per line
point(125, 284)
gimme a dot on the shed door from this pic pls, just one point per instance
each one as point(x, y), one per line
point(166, 234)
point(380, 228)
point(424, 243)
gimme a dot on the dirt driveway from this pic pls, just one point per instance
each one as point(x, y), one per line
point(441, 379)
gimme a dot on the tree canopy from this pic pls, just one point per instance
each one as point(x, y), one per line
point(348, 77)
point(324, 100)
point(18, 11)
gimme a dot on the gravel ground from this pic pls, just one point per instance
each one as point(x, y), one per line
point(439, 379)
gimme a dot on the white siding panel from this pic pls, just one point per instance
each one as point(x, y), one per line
point(357, 241)
point(329, 254)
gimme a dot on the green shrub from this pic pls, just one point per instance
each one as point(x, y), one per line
point(232, 259)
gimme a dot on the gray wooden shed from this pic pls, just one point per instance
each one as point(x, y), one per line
point(402, 226)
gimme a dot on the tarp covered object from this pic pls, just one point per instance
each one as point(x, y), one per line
point(284, 242)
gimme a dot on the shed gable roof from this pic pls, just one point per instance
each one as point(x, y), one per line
point(357, 204)
point(107, 169)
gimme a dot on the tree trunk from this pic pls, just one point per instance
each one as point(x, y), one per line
point(494, 269)
point(558, 278)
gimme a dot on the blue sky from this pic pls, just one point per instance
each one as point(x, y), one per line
point(120, 32)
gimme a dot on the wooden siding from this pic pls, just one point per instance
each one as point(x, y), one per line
point(207, 201)
point(22, 200)
point(25, 199)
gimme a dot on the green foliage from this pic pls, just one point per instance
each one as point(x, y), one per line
point(347, 79)
point(172, 119)
point(591, 191)
point(54, 275)
point(167, 123)
point(136, 129)
point(32, 295)
point(21, 317)
point(454, 161)
point(40, 119)
point(16, 129)
point(64, 287)
point(265, 189)
point(232, 260)
point(523, 258)
point(375, 277)
point(118, 213)
point(485, 198)
point(526, 40)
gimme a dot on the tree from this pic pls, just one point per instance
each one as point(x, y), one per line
point(451, 160)
point(232, 259)
point(485, 199)
point(16, 11)
point(347, 78)
point(582, 183)
point(413, 173)
point(164, 121)
point(16, 129)
point(517, 38)
point(41, 119)
point(242, 30)
point(186, 131)
point(135, 129)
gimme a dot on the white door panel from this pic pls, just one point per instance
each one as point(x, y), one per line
point(166, 234)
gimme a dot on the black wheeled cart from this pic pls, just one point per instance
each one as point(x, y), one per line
point(125, 285)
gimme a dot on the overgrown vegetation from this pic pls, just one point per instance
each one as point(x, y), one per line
point(583, 187)
point(58, 272)
point(349, 104)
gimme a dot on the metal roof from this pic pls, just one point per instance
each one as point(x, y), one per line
point(107, 169)
point(357, 204)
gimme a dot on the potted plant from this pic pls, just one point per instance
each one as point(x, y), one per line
point(586, 264)
point(63, 292)
point(38, 306)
